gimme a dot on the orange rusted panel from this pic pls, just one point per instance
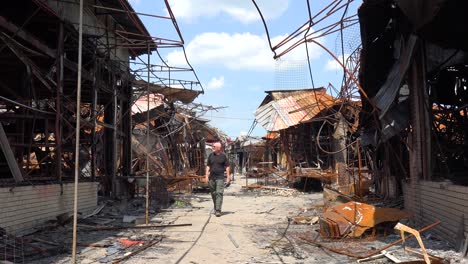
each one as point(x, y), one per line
point(354, 218)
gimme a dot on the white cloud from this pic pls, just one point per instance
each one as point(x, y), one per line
point(333, 65)
point(238, 51)
point(243, 11)
point(215, 83)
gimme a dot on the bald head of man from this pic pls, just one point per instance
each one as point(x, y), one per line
point(217, 147)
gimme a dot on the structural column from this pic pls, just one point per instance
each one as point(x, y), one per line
point(339, 147)
point(420, 151)
point(127, 131)
point(58, 105)
point(94, 116)
point(109, 146)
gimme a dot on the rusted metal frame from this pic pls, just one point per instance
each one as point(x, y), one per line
point(373, 252)
point(359, 167)
point(12, 116)
point(46, 133)
point(174, 21)
point(352, 62)
point(173, 68)
point(44, 6)
point(24, 106)
point(116, 152)
point(94, 116)
point(178, 80)
point(311, 23)
point(55, 145)
point(126, 121)
point(26, 145)
point(22, 33)
point(332, 249)
point(296, 33)
point(109, 152)
point(302, 40)
point(13, 28)
point(337, 7)
point(401, 240)
point(147, 136)
point(160, 79)
point(169, 72)
point(142, 46)
point(351, 76)
point(8, 89)
point(9, 156)
point(132, 16)
point(34, 68)
point(330, 29)
point(30, 64)
point(123, 11)
point(120, 32)
point(265, 26)
point(149, 71)
point(443, 114)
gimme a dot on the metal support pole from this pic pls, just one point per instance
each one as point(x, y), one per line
point(77, 133)
point(115, 184)
point(147, 137)
point(358, 147)
point(58, 106)
point(94, 111)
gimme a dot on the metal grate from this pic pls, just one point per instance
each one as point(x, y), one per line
point(11, 248)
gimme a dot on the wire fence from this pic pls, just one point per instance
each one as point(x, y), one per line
point(291, 74)
point(12, 246)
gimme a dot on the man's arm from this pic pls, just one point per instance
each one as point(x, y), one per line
point(228, 178)
point(207, 173)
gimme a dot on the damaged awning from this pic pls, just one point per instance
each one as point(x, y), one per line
point(286, 108)
point(170, 94)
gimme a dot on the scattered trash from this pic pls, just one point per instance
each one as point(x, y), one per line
point(233, 241)
point(129, 218)
point(130, 243)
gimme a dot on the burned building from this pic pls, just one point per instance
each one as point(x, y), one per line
point(310, 125)
point(413, 70)
point(39, 50)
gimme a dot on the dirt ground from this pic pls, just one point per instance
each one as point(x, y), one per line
point(256, 227)
point(249, 231)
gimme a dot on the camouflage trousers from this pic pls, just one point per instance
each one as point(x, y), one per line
point(217, 190)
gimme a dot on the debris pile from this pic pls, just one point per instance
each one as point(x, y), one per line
point(352, 219)
point(114, 232)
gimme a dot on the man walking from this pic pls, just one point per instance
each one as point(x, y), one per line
point(215, 167)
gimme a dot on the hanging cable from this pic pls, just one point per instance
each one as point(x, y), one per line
point(317, 138)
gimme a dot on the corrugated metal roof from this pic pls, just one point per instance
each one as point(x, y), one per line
point(290, 108)
point(170, 94)
point(141, 105)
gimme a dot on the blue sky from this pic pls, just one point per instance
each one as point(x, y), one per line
point(227, 46)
